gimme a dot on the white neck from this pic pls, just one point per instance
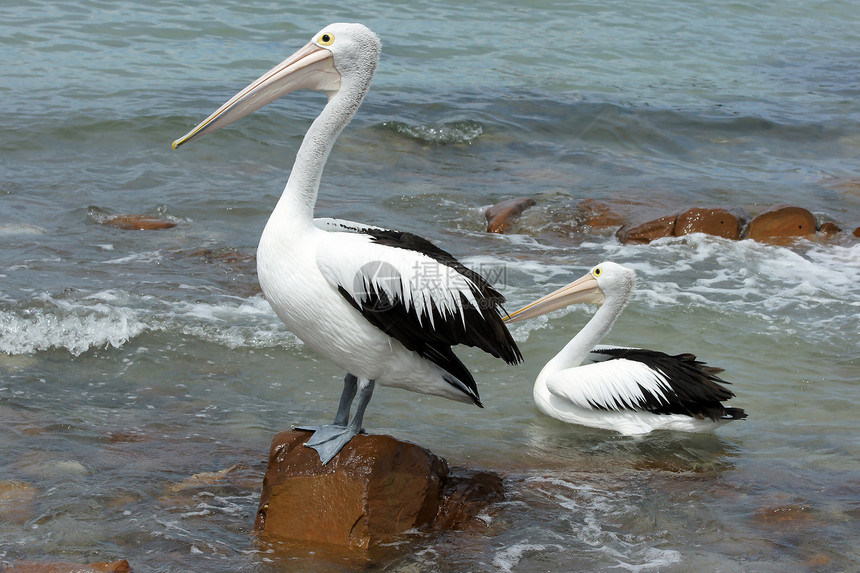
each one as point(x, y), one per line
point(296, 205)
point(576, 351)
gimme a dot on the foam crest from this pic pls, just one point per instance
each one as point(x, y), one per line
point(111, 318)
point(593, 515)
point(803, 284)
point(75, 329)
point(455, 132)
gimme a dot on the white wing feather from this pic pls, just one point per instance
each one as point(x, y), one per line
point(416, 280)
point(611, 384)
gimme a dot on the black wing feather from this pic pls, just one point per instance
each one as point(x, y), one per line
point(481, 327)
point(484, 327)
point(696, 390)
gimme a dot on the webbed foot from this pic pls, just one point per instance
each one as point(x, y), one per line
point(330, 439)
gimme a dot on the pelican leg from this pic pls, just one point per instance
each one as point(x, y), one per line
point(341, 419)
point(330, 439)
point(350, 385)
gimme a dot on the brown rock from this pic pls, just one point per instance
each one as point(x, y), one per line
point(829, 228)
point(120, 566)
point(717, 222)
point(376, 488)
point(781, 222)
point(16, 501)
point(647, 232)
point(857, 232)
point(466, 493)
point(598, 215)
point(501, 216)
point(139, 223)
point(792, 514)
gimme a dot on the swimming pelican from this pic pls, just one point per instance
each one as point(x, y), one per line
point(629, 390)
point(386, 306)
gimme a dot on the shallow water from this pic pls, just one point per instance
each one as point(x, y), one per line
point(134, 366)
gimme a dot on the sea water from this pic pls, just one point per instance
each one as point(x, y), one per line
point(143, 375)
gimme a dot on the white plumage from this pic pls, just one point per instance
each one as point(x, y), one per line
point(629, 390)
point(383, 305)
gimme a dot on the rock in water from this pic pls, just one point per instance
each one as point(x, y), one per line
point(781, 222)
point(829, 228)
point(717, 222)
point(376, 488)
point(139, 223)
point(120, 566)
point(501, 216)
point(648, 231)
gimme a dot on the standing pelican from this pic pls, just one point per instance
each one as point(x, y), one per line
point(629, 390)
point(385, 306)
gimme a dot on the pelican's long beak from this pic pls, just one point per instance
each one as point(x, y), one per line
point(583, 289)
point(311, 68)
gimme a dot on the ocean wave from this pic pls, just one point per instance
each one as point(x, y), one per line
point(594, 517)
point(110, 319)
point(806, 285)
point(455, 132)
point(98, 326)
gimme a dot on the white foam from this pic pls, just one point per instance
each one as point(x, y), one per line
point(98, 326)
point(808, 284)
point(510, 557)
point(594, 513)
point(111, 318)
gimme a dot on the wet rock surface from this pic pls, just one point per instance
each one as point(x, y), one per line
point(16, 501)
point(502, 216)
point(640, 222)
point(120, 566)
point(714, 221)
point(781, 222)
point(375, 489)
point(648, 231)
point(139, 223)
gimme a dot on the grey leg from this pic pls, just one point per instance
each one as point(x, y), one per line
point(365, 392)
point(350, 384)
point(329, 440)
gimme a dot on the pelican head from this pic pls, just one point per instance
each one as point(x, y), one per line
point(606, 281)
point(340, 56)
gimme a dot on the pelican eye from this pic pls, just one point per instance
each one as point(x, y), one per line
point(596, 272)
point(325, 39)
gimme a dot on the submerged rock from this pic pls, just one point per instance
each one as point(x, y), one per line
point(718, 222)
point(648, 231)
point(501, 216)
point(781, 222)
point(120, 566)
point(16, 501)
point(829, 228)
point(375, 489)
point(139, 222)
point(598, 215)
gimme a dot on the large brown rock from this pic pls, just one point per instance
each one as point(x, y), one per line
point(376, 488)
point(501, 216)
point(782, 222)
point(120, 566)
point(717, 221)
point(648, 231)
